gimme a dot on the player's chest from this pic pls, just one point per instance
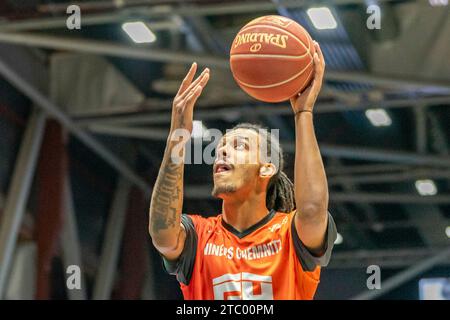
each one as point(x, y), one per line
point(241, 268)
point(222, 250)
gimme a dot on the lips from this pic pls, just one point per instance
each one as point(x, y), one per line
point(222, 166)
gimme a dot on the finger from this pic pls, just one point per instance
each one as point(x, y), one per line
point(304, 91)
point(204, 81)
point(188, 79)
point(293, 99)
point(190, 101)
point(318, 69)
point(204, 76)
point(319, 52)
point(194, 84)
point(195, 92)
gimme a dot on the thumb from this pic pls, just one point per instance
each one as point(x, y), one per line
point(294, 99)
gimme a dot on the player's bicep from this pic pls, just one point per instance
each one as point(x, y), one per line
point(174, 254)
point(312, 232)
point(180, 261)
point(310, 258)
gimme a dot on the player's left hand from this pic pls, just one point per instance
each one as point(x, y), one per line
point(305, 100)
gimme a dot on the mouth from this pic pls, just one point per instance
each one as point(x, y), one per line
point(222, 167)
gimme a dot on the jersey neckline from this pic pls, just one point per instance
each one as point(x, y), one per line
point(249, 230)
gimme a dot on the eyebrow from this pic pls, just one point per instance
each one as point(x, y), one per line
point(233, 138)
point(237, 137)
point(242, 138)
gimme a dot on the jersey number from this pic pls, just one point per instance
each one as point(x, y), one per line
point(243, 286)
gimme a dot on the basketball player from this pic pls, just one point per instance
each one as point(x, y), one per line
point(273, 235)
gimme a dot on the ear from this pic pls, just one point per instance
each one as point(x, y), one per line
point(267, 170)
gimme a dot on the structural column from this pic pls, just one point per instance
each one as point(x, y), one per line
point(134, 253)
point(112, 241)
point(52, 169)
point(70, 242)
point(18, 192)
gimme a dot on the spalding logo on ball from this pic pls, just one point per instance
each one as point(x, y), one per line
point(271, 58)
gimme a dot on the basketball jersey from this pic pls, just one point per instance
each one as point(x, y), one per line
point(266, 261)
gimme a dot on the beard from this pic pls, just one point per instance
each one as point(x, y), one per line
point(225, 188)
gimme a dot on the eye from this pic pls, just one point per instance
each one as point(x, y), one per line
point(240, 145)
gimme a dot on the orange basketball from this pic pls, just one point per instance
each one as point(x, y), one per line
point(271, 58)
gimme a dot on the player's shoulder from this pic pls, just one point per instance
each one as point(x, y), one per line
point(282, 215)
point(200, 220)
point(281, 220)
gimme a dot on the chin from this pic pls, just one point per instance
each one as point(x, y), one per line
point(221, 190)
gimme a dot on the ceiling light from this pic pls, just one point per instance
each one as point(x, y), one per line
point(447, 231)
point(378, 117)
point(438, 3)
point(339, 239)
point(139, 32)
point(322, 18)
point(426, 187)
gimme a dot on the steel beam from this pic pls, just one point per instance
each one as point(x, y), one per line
point(380, 155)
point(22, 278)
point(18, 192)
point(392, 258)
point(439, 140)
point(404, 276)
point(354, 235)
point(110, 49)
point(87, 20)
point(50, 175)
point(111, 243)
point(430, 223)
point(118, 50)
point(327, 150)
point(384, 225)
point(421, 128)
point(390, 81)
point(428, 218)
point(390, 177)
point(153, 9)
point(134, 254)
point(43, 102)
point(366, 168)
point(204, 192)
point(70, 242)
point(363, 197)
point(128, 132)
point(217, 113)
point(350, 187)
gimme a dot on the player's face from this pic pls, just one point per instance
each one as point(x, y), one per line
point(236, 167)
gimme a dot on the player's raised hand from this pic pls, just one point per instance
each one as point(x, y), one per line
point(305, 101)
point(187, 95)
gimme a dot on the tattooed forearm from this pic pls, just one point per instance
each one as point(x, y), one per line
point(167, 198)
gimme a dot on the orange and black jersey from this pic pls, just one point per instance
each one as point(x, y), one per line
point(266, 261)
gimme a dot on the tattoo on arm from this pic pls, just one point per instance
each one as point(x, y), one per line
point(167, 197)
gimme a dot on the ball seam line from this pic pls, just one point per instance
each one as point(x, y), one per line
point(275, 84)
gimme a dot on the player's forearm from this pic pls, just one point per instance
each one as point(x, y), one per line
point(167, 201)
point(311, 189)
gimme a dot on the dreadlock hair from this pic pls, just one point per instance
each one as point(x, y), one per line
point(280, 190)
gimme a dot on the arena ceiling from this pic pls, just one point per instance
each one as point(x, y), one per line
point(120, 111)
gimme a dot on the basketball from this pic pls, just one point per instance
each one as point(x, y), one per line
point(271, 58)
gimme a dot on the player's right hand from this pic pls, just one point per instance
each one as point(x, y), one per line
point(183, 104)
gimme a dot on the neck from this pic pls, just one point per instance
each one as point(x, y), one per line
point(242, 214)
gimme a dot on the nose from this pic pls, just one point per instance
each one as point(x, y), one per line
point(222, 152)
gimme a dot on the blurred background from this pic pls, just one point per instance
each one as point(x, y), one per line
point(84, 116)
